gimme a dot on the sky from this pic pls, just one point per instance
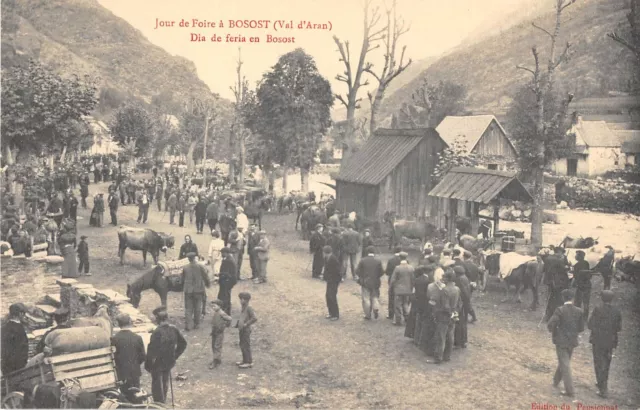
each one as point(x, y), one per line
point(435, 27)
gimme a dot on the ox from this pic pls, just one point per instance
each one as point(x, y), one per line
point(629, 269)
point(421, 230)
point(153, 279)
point(145, 240)
point(312, 216)
point(474, 245)
point(578, 243)
point(523, 276)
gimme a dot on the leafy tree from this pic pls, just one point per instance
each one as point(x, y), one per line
point(454, 156)
point(41, 110)
point(198, 119)
point(132, 128)
point(431, 103)
point(293, 107)
point(239, 132)
point(631, 40)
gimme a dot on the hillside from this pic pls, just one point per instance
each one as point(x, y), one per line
point(488, 71)
point(82, 37)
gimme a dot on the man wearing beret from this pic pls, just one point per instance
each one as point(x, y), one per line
point(605, 324)
point(316, 243)
point(129, 355)
point(165, 347)
point(15, 344)
point(582, 281)
point(195, 280)
point(333, 277)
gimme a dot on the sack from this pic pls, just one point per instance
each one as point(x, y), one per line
point(77, 339)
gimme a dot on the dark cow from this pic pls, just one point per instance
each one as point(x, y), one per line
point(629, 269)
point(578, 243)
point(421, 230)
point(474, 245)
point(145, 240)
point(255, 209)
point(312, 216)
point(300, 208)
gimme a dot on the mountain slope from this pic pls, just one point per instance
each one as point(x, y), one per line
point(82, 37)
point(488, 70)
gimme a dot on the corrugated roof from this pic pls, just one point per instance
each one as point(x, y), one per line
point(480, 185)
point(381, 154)
point(596, 134)
point(630, 141)
point(467, 129)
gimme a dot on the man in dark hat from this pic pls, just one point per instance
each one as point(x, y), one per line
point(83, 255)
point(195, 280)
point(444, 311)
point(605, 266)
point(391, 265)
point(557, 279)
point(369, 272)
point(473, 274)
point(253, 239)
point(462, 282)
point(337, 244)
point(316, 243)
point(129, 355)
point(165, 347)
point(565, 325)
point(582, 280)
point(61, 317)
point(352, 243)
point(113, 201)
point(605, 324)
point(15, 344)
point(333, 277)
point(227, 279)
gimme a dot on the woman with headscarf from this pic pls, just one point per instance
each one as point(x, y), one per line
point(188, 246)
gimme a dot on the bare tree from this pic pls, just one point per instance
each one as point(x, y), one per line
point(542, 86)
point(207, 110)
point(352, 76)
point(633, 41)
point(239, 133)
point(392, 67)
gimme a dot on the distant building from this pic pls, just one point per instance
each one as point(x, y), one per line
point(630, 146)
point(103, 143)
point(481, 135)
point(392, 171)
point(598, 150)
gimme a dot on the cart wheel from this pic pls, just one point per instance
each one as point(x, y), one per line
point(13, 400)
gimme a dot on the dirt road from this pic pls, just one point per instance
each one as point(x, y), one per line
point(302, 360)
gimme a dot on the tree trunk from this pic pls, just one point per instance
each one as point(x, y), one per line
point(285, 177)
point(537, 210)
point(242, 158)
point(52, 162)
point(9, 160)
point(272, 181)
point(304, 179)
point(190, 162)
point(63, 154)
point(349, 136)
point(204, 147)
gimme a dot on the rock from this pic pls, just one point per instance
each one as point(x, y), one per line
point(54, 260)
point(526, 213)
point(563, 205)
point(504, 214)
point(516, 214)
point(52, 299)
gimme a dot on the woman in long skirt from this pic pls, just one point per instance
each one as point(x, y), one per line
point(68, 249)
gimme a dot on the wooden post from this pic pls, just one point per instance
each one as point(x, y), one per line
point(475, 218)
point(453, 212)
point(496, 217)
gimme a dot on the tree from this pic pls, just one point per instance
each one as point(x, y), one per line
point(632, 40)
point(431, 104)
point(132, 128)
point(352, 76)
point(454, 156)
point(392, 67)
point(293, 111)
point(239, 133)
point(198, 117)
point(40, 109)
point(543, 132)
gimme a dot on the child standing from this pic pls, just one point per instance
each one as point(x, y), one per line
point(247, 319)
point(219, 322)
point(83, 255)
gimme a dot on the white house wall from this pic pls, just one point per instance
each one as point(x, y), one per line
point(603, 159)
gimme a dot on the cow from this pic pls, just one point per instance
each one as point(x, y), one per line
point(578, 243)
point(145, 240)
point(421, 230)
point(629, 269)
point(474, 245)
point(300, 208)
point(256, 208)
point(312, 216)
point(527, 275)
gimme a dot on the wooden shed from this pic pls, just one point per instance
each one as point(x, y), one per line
point(391, 172)
point(462, 191)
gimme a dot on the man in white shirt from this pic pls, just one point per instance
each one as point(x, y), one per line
point(215, 248)
point(241, 219)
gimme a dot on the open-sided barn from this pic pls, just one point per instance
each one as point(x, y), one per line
point(391, 172)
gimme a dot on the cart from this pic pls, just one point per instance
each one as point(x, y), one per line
point(94, 370)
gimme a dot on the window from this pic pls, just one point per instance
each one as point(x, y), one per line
point(572, 167)
point(492, 166)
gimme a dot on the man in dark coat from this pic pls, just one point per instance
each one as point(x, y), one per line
point(187, 247)
point(473, 274)
point(73, 207)
point(15, 344)
point(391, 265)
point(211, 215)
point(316, 243)
point(444, 313)
point(366, 241)
point(582, 281)
point(462, 282)
point(227, 279)
point(333, 277)
point(195, 280)
point(351, 246)
point(336, 243)
point(129, 355)
point(369, 272)
point(556, 278)
point(565, 325)
point(253, 239)
point(418, 304)
point(112, 201)
point(166, 346)
point(605, 324)
point(605, 267)
point(84, 190)
point(201, 213)
point(159, 191)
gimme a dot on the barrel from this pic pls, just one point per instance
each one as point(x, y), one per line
point(508, 244)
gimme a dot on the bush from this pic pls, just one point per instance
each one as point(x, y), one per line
point(602, 195)
point(632, 175)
